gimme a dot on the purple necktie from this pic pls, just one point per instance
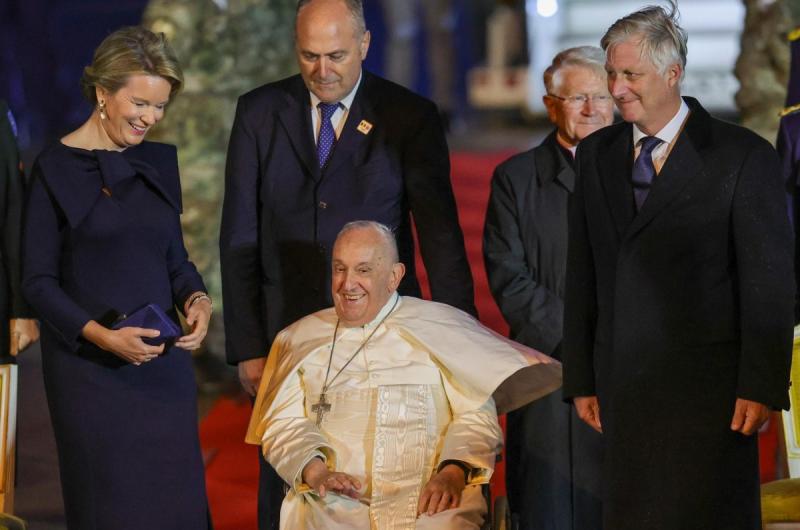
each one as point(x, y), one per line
point(643, 170)
point(327, 136)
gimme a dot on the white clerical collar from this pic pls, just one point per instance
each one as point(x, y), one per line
point(346, 102)
point(669, 131)
point(391, 303)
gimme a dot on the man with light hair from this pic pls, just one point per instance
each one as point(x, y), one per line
point(554, 458)
point(381, 412)
point(679, 298)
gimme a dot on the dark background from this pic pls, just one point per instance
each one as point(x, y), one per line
point(44, 45)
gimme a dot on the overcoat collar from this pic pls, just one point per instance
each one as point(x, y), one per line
point(615, 177)
point(296, 120)
point(551, 164)
point(78, 184)
point(682, 166)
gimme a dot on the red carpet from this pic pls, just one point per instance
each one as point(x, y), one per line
point(231, 470)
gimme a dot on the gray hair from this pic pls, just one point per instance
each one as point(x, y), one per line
point(663, 41)
point(589, 57)
point(379, 228)
point(356, 8)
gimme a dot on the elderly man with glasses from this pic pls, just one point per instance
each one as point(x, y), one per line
point(553, 457)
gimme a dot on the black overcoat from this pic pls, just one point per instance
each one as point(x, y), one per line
point(554, 458)
point(673, 313)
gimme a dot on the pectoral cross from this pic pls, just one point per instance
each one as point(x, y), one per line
point(320, 408)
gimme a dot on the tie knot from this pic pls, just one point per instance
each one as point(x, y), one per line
point(649, 143)
point(327, 109)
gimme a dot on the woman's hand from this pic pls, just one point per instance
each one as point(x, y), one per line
point(317, 475)
point(198, 314)
point(125, 343)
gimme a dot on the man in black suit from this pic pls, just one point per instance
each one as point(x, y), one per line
point(554, 458)
point(307, 155)
point(679, 297)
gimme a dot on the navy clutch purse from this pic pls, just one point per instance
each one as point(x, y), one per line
point(150, 316)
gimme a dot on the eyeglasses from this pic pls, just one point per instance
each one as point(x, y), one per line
point(579, 100)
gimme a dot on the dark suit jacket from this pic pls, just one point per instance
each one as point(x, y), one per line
point(12, 190)
point(282, 212)
point(673, 313)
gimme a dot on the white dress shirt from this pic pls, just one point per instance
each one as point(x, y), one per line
point(339, 117)
point(668, 135)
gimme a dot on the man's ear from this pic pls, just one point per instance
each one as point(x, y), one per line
point(364, 44)
point(398, 271)
point(674, 72)
point(550, 104)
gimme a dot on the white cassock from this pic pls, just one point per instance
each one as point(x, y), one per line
point(424, 389)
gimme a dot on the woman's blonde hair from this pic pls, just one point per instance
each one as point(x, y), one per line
point(126, 52)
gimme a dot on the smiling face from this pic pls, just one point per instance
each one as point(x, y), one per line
point(643, 95)
point(364, 275)
point(330, 49)
point(133, 109)
point(575, 123)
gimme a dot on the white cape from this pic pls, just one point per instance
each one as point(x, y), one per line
point(473, 358)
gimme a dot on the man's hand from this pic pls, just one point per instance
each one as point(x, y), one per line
point(250, 374)
point(443, 491)
point(24, 332)
point(588, 409)
point(748, 416)
point(317, 475)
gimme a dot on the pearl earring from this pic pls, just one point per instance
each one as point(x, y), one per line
point(102, 108)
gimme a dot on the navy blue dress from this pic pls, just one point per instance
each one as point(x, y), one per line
point(103, 237)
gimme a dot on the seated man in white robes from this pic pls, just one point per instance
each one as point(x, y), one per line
point(381, 412)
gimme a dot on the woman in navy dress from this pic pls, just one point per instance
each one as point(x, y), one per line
point(103, 238)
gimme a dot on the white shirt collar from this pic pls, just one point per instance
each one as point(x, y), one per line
point(668, 133)
point(387, 307)
point(346, 101)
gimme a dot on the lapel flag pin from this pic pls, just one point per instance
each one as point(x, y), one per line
point(364, 127)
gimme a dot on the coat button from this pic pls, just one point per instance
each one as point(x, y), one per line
point(323, 204)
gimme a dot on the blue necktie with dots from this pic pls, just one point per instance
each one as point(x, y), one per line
point(643, 170)
point(327, 136)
